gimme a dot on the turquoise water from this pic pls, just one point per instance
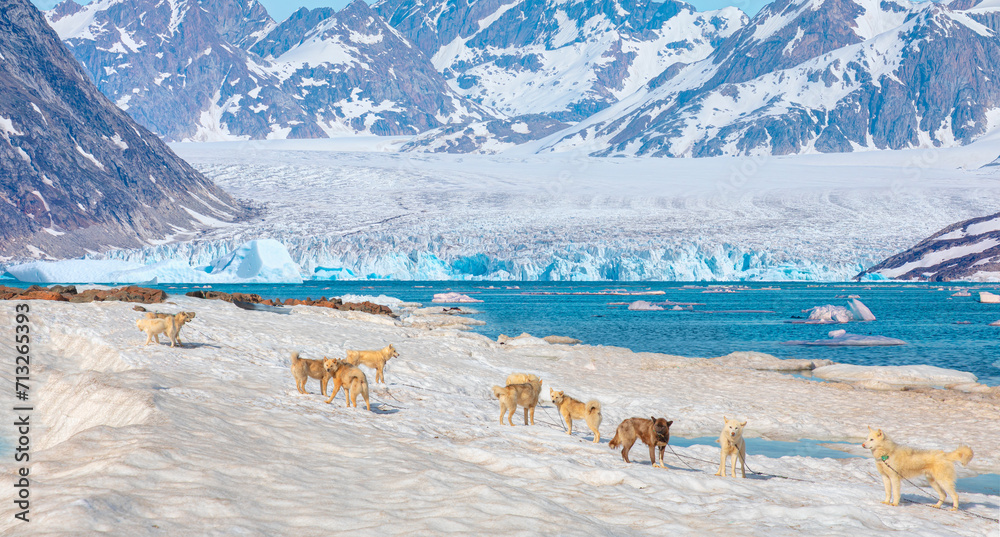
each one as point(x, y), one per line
point(940, 330)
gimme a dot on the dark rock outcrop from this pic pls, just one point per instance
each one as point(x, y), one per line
point(78, 173)
point(132, 293)
point(335, 303)
point(968, 250)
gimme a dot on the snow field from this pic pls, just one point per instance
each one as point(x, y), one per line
point(213, 438)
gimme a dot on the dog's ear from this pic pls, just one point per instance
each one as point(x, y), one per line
point(724, 419)
point(669, 423)
point(879, 433)
point(744, 424)
point(653, 419)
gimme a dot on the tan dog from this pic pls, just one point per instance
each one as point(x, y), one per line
point(304, 369)
point(373, 359)
point(188, 315)
point(536, 384)
point(351, 378)
point(732, 443)
point(571, 409)
point(654, 432)
point(524, 394)
point(894, 462)
point(169, 325)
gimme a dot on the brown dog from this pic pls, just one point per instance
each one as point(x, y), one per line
point(351, 378)
point(524, 394)
point(162, 323)
point(373, 359)
point(653, 432)
point(303, 369)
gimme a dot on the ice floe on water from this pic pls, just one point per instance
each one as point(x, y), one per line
point(854, 311)
point(213, 437)
point(840, 338)
point(642, 305)
point(453, 298)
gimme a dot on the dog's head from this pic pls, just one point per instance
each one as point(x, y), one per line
point(662, 427)
point(733, 428)
point(875, 437)
point(555, 396)
point(188, 314)
point(332, 366)
point(392, 351)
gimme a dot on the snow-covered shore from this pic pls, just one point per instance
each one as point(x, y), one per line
point(213, 438)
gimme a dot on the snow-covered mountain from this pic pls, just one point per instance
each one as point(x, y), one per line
point(968, 250)
point(818, 76)
point(560, 58)
point(78, 174)
point(223, 69)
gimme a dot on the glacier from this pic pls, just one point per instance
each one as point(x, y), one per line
point(257, 261)
point(338, 213)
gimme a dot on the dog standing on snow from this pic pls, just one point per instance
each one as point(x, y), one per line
point(155, 324)
point(351, 378)
point(373, 359)
point(303, 369)
point(894, 462)
point(732, 444)
point(654, 432)
point(521, 389)
point(572, 409)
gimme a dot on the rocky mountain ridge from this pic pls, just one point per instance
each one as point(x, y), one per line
point(79, 174)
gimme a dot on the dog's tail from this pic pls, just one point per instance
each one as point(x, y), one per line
point(593, 406)
point(962, 455)
point(615, 442)
point(295, 357)
point(498, 392)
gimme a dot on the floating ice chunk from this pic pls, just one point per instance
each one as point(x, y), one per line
point(837, 333)
point(453, 297)
point(988, 298)
point(895, 376)
point(840, 338)
point(642, 305)
point(258, 261)
point(829, 314)
point(860, 311)
point(855, 311)
point(963, 292)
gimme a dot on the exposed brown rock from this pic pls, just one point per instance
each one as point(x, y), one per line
point(69, 293)
point(323, 302)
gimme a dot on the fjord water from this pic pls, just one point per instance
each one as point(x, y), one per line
point(939, 329)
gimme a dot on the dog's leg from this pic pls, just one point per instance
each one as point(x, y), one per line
point(569, 423)
point(336, 388)
point(525, 415)
point(510, 413)
point(887, 484)
point(722, 464)
point(743, 461)
point(937, 488)
point(322, 384)
point(732, 462)
point(659, 464)
point(652, 454)
point(894, 478)
point(625, 448)
point(532, 414)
